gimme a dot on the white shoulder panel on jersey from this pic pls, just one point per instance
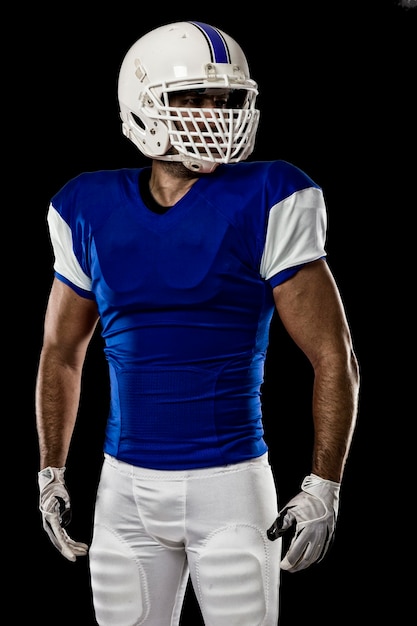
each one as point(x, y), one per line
point(66, 262)
point(296, 232)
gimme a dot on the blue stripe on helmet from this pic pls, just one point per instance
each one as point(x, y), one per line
point(218, 48)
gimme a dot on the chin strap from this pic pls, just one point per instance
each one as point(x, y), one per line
point(202, 167)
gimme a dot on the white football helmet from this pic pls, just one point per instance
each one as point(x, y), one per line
point(186, 56)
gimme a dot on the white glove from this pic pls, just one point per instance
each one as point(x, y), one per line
point(311, 516)
point(54, 504)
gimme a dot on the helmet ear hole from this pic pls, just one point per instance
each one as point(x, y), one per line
point(149, 135)
point(138, 121)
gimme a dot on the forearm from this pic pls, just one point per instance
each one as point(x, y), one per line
point(335, 404)
point(57, 400)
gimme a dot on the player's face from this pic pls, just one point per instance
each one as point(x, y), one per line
point(202, 109)
point(204, 99)
point(207, 99)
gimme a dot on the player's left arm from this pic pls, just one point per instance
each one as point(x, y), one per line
point(311, 309)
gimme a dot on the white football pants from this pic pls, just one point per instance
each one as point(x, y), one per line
point(153, 529)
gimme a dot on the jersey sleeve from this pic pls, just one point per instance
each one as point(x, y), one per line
point(296, 234)
point(66, 265)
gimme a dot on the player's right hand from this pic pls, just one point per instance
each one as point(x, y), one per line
point(55, 506)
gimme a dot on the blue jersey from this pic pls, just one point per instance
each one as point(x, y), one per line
point(185, 301)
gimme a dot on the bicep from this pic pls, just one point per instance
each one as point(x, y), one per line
point(310, 307)
point(70, 321)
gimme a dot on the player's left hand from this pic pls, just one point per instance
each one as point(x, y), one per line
point(311, 516)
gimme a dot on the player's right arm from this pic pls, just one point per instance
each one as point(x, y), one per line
point(70, 321)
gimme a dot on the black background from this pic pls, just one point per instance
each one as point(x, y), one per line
point(336, 99)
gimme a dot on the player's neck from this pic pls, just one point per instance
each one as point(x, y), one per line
point(169, 184)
